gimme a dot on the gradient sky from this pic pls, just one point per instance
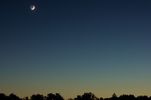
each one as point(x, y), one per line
point(75, 46)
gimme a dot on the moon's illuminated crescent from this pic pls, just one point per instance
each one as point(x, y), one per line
point(32, 7)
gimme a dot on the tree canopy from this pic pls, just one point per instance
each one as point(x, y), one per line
point(85, 96)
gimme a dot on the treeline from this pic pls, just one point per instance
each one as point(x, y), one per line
point(85, 96)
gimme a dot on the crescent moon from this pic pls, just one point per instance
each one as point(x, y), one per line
point(32, 7)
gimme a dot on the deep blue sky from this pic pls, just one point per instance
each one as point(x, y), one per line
point(75, 46)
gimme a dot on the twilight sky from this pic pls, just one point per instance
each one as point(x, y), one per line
point(75, 46)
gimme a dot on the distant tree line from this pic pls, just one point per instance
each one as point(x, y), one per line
point(85, 96)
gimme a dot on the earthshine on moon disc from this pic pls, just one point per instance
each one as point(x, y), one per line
point(32, 7)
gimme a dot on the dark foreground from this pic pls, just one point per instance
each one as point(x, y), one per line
point(85, 96)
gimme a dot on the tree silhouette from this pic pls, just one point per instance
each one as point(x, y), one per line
point(37, 97)
point(3, 96)
point(56, 96)
point(142, 98)
point(114, 97)
point(13, 97)
point(101, 98)
point(78, 97)
point(59, 97)
point(85, 96)
point(127, 97)
point(50, 96)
